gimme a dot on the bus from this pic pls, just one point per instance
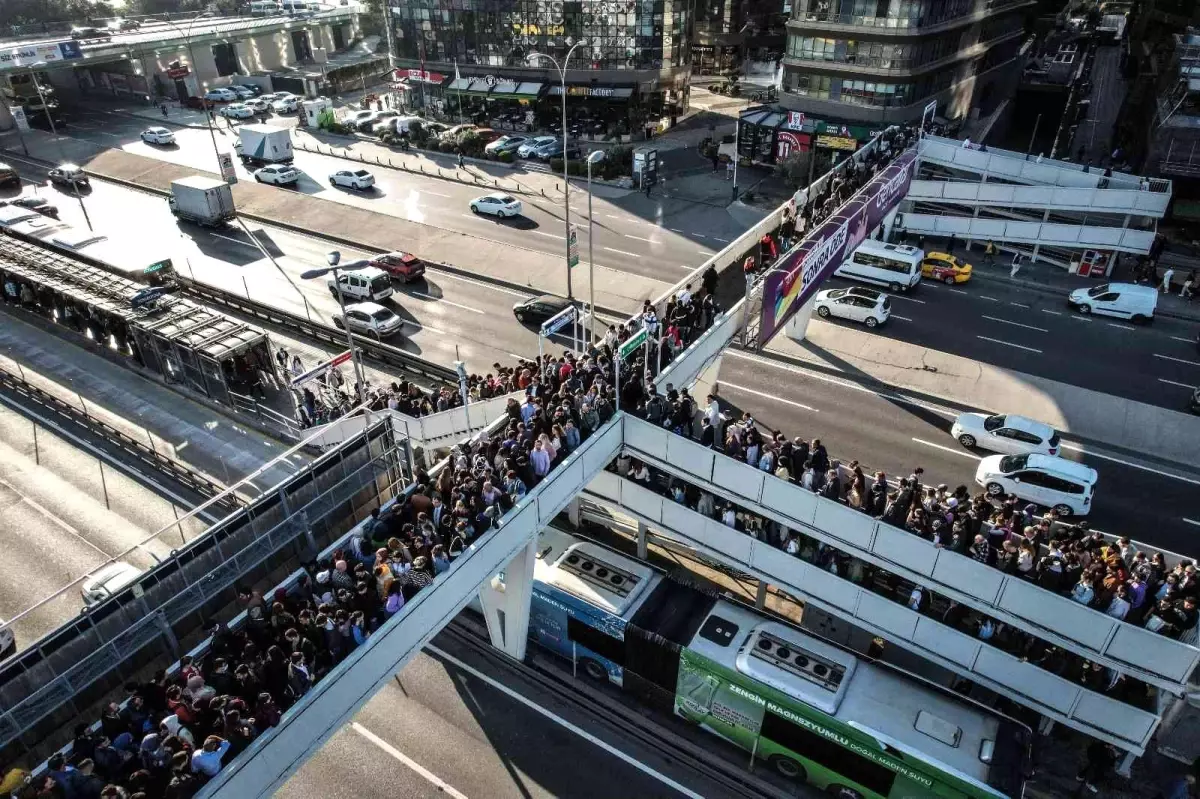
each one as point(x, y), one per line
point(127, 259)
point(811, 711)
point(896, 266)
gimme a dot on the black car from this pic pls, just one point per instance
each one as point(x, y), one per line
point(68, 175)
point(39, 204)
point(555, 150)
point(539, 309)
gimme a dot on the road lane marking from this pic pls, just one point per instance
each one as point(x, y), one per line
point(1082, 318)
point(235, 241)
point(906, 299)
point(688, 268)
point(437, 782)
point(435, 193)
point(986, 297)
point(551, 235)
point(1174, 383)
point(1120, 326)
point(1130, 464)
point(956, 291)
point(559, 720)
point(1052, 313)
point(1020, 305)
point(1191, 521)
point(674, 230)
point(622, 252)
point(1015, 324)
point(901, 318)
point(639, 238)
point(1181, 338)
point(951, 450)
point(718, 238)
point(771, 397)
point(698, 235)
point(445, 301)
point(481, 284)
point(1009, 344)
point(1177, 360)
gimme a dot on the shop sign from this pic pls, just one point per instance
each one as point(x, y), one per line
point(702, 48)
point(176, 73)
point(837, 143)
point(32, 54)
point(495, 80)
point(795, 120)
point(834, 129)
point(786, 143)
point(590, 91)
point(423, 75)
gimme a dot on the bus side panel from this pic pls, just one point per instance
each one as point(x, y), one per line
point(576, 631)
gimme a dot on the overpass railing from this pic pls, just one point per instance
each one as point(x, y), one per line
point(1054, 198)
point(1047, 234)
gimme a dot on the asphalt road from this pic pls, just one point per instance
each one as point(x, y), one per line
point(1029, 331)
point(453, 724)
point(896, 435)
point(655, 237)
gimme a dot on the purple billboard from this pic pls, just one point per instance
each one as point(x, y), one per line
point(806, 266)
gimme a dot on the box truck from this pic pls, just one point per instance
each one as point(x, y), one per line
point(259, 145)
point(203, 200)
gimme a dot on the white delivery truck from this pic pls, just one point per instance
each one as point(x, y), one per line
point(203, 200)
point(259, 145)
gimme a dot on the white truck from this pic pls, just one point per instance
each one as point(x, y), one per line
point(259, 145)
point(203, 200)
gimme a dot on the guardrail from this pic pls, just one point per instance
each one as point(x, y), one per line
point(1150, 657)
point(63, 668)
point(179, 472)
point(1054, 697)
point(1082, 200)
point(1047, 234)
point(377, 351)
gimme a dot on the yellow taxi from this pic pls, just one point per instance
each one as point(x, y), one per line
point(945, 268)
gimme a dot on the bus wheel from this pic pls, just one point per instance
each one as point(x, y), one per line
point(594, 670)
point(786, 767)
point(842, 792)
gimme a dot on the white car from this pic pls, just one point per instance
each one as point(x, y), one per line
point(1007, 433)
point(278, 174)
point(868, 306)
point(527, 149)
point(370, 318)
point(1065, 486)
point(221, 95)
point(357, 179)
point(237, 111)
point(242, 92)
point(158, 136)
point(259, 105)
point(285, 104)
point(496, 204)
point(107, 581)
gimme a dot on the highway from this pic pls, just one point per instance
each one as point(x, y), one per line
point(885, 430)
point(654, 237)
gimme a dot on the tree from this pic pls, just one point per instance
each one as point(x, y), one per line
point(794, 169)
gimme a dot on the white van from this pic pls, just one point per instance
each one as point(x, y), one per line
point(1122, 300)
point(896, 266)
point(1065, 486)
point(266, 8)
point(362, 285)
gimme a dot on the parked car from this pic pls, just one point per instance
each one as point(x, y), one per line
point(68, 175)
point(505, 144)
point(945, 268)
point(278, 174)
point(530, 146)
point(357, 179)
point(221, 95)
point(496, 204)
point(157, 135)
point(403, 266)
point(259, 105)
point(285, 104)
point(455, 133)
point(237, 111)
point(1065, 486)
point(1122, 300)
point(33, 203)
point(107, 581)
point(537, 310)
point(242, 92)
point(868, 306)
point(369, 318)
point(9, 175)
point(486, 135)
point(1007, 433)
point(254, 89)
point(555, 150)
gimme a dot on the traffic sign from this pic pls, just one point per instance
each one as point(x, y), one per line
point(19, 117)
point(558, 322)
point(227, 170)
point(573, 248)
point(632, 343)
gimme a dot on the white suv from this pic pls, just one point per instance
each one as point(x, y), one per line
point(1065, 486)
point(371, 319)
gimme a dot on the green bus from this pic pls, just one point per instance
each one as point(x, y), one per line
point(804, 707)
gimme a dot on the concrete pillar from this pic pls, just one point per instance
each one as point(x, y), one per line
point(573, 513)
point(797, 327)
point(760, 599)
point(1045, 725)
point(889, 222)
point(641, 542)
point(506, 603)
point(1126, 764)
point(1045, 218)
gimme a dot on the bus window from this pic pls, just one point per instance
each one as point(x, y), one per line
point(603, 645)
point(829, 754)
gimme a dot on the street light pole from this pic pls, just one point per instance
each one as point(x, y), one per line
point(562, 79)
point(334, 258)
point(594, 157)
point(187, 40)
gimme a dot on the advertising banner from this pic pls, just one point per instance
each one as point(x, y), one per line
point(31, 54)
point(796, 276)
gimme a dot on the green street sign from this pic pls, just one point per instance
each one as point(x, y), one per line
point(632, 343)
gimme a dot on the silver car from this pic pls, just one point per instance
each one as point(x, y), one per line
point(528, 149)
point(371, 319)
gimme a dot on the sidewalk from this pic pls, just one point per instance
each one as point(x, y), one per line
point(1092, 416)
point(1052, 280)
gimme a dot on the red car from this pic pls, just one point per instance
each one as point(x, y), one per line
point(403, 266)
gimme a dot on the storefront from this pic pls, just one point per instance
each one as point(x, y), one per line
point(768, 135)
point(714, 59)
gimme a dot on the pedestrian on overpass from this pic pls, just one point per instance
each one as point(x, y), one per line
point(989, 253)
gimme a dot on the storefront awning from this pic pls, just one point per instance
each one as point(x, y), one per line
point(472, 86)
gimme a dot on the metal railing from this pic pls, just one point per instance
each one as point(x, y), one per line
point(65, 671)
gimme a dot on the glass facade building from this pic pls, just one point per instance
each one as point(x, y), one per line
point(638, 44)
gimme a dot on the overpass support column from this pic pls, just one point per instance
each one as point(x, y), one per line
point(506, 603)
point(1037, 246)
point(760, 599)
point(797, 328)
point(641, 541)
